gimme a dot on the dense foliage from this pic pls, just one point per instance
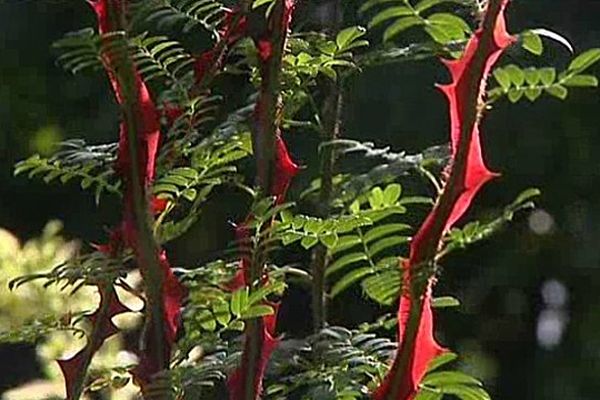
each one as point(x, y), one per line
point(200, 119)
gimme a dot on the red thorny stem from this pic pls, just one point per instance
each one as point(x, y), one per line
point(138, 144)
point(268, 116)
point(467, 175)
point(274, 172)
point(265, 135)
point(147, 250)
point(75, 368)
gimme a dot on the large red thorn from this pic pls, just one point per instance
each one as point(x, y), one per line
point(285, 170)
point(236, 383)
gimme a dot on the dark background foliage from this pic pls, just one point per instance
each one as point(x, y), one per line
point(513, 287)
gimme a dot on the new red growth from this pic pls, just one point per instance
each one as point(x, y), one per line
point(275, 172)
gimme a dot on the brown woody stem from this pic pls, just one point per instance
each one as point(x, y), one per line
point(332, 114)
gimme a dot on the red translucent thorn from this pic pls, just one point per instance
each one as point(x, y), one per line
point(237, 282)
point(203, 63)
point(284, 162)
point(173, 295)
point(265, 49)
point(425, 349)
point(501, 36)
point(232, 33)
point(172, 112)
point(447, 89)
point(285, 170)
point(237, 380)
point(102, 248)
point(455, 67)
point(158, 205)
point(99, 7)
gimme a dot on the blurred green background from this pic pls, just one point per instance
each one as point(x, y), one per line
point(530, 320)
